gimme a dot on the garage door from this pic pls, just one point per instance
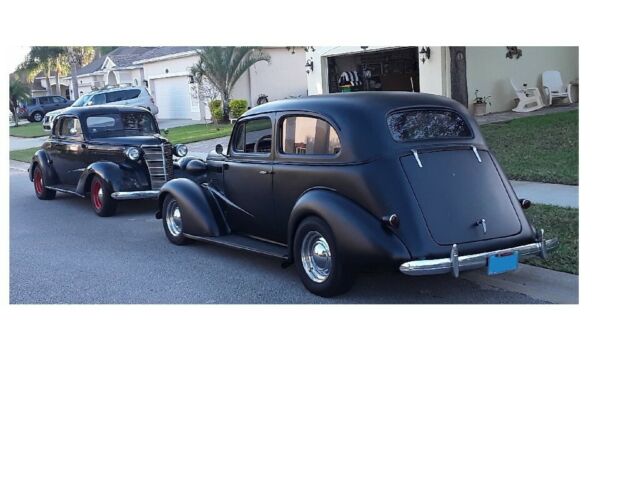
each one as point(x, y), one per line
point(172, 97)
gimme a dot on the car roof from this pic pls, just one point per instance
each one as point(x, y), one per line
point(114, 89)
point(361, 117)
point(102, 110)
point(357, 102)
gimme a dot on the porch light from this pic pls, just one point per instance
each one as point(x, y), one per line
point(425, 54)
point(309, 66)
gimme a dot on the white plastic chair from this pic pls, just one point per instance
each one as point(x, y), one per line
point(529, 99)
point(554, 87)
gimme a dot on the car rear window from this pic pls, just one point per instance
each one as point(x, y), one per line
point(424, 124)
point(125, 124)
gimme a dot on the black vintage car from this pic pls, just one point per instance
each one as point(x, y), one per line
point(106, 153)
point(346, 182)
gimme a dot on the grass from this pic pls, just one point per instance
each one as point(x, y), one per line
point(23, 155)
point(198, 132)
point(537, 149)
point(30, 130)
point(562, 223)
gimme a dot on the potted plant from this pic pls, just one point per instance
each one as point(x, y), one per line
point(480, 105)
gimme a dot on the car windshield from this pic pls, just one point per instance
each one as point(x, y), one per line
point(126, 124)
point(82, 101)
point(423, 124)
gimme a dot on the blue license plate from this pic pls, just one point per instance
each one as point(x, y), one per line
point(498, 264)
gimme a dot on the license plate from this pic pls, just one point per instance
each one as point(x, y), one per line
point(505, 262)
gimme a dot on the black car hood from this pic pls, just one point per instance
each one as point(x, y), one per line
point(130, 141)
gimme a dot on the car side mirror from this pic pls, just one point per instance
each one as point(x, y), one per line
point(219, 149)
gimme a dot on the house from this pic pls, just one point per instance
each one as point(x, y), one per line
point(168, 73)
point(456, 72)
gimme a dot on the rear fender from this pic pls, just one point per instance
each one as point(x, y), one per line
point(200, 210)
point(361, 236)
point(41, 159)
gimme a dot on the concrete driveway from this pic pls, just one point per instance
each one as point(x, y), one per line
point(62, 252)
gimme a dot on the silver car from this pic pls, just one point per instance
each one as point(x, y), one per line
point(130, 96)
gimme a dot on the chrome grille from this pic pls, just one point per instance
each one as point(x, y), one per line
point(159, 160)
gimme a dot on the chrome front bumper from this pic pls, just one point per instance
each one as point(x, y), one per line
point(135, 195)
point(455, 264)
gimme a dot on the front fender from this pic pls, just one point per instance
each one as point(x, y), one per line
point(362, 237)
point(119, 177)
point(200, 211)
point(41, 158)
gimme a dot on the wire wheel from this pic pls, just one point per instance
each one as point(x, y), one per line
point(315, 255)
point(173, 218)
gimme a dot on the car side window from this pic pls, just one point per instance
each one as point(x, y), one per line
point(59, 99)
point(130, 94)
point(114, 97)
point(98, 99)
point(253, 136)
point(45, 100)
point(71, 128)
point(304, 135)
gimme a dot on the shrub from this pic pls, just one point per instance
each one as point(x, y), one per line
point(215, 107)
point(237, 107)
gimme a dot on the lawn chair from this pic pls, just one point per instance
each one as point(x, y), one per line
point(553, 86)
point(529, 99)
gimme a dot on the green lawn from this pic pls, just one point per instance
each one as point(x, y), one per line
point(196, 133)
point(23, 155)
point(561, 223)
point(538, 149)
point(29, 130)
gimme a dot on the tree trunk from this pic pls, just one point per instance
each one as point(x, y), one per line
point(459, 75)
point(58, 89)
point(74, 80)
point(225, 107)
point(48, 83)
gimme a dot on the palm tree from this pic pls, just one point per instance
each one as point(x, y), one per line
point(18, 92)
point(41, 59)
point(223, 67)
point(77, 57)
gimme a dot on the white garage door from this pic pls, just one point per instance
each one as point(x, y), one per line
point(172, 97)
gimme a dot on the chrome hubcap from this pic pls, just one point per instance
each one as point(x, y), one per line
point(174, 219)
point(316, 257)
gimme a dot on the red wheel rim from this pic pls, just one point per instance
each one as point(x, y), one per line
point(37, 181)
point(96, 187)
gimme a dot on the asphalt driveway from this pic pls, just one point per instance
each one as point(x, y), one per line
point(61, 252)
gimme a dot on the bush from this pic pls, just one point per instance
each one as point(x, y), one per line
point(215, 107)
point(237, 107)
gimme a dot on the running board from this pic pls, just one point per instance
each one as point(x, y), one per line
point(240, 242)
point(65, 190)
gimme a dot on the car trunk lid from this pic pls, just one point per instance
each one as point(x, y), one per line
point(461, 194)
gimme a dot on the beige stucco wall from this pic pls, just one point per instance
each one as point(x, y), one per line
point(488, 70)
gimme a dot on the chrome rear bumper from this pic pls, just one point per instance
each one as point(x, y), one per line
point(456, 264)
point(135, 195)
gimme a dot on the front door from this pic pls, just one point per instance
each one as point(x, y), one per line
point(248, 174)
point(70, 151)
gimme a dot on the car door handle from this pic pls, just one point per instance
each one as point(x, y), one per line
point(265, 172)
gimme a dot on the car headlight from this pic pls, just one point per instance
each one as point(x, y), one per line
point(180, 150)
point(132, 153)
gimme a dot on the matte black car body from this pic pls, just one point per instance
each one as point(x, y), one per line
point(73, 164)
point(384, 203)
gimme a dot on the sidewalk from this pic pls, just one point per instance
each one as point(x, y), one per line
point(547, 193)
point(20, 143)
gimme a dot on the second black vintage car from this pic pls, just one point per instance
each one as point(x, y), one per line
point(106, 154)
point(340, 183)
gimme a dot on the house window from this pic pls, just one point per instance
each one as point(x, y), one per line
point(302, 135)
